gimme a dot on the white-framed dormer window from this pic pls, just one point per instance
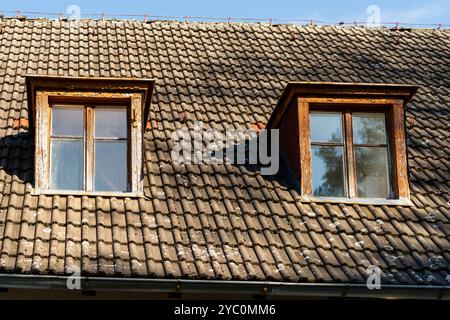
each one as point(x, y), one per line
point(89, 142)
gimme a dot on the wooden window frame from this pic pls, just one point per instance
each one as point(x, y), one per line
point(89, 100)
point(393, 108)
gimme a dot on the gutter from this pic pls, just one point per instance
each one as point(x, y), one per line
point(270, 289)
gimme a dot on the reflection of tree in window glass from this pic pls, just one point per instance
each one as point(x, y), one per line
point(371, 159)
point(369, 148)
point(327, 154)
point(328, 171)
point(371, 172)
point(369, 128)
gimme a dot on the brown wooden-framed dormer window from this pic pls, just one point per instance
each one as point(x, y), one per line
point(350, 151)
point(88, 138)
point(350, 140)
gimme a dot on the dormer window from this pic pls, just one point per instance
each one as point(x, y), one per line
point(345, 142)
point(349, 146)
point(88, 134)
point(89, 147)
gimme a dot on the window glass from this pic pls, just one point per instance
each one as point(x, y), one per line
point(110, 172)
point(67, 121)
point(328, 171)
point(371, 172)
point(369, 128)
point(326, 127)
point(66, 164)
point(110, 123)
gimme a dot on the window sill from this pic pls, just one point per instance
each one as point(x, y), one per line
point(90, 194)
point(363, 201)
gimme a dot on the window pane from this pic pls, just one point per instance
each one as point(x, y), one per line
point(67, 121)
point(328, 171)
point(66, 164)
point(369, 128)
point(371, 172)
point(326, 127)
point(111, 123)
point(110, 166)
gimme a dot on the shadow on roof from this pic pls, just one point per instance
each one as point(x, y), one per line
point(17, 156)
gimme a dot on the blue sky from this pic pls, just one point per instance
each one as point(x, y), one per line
point(412, 11)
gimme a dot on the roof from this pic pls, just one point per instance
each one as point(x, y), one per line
point(225, 221)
